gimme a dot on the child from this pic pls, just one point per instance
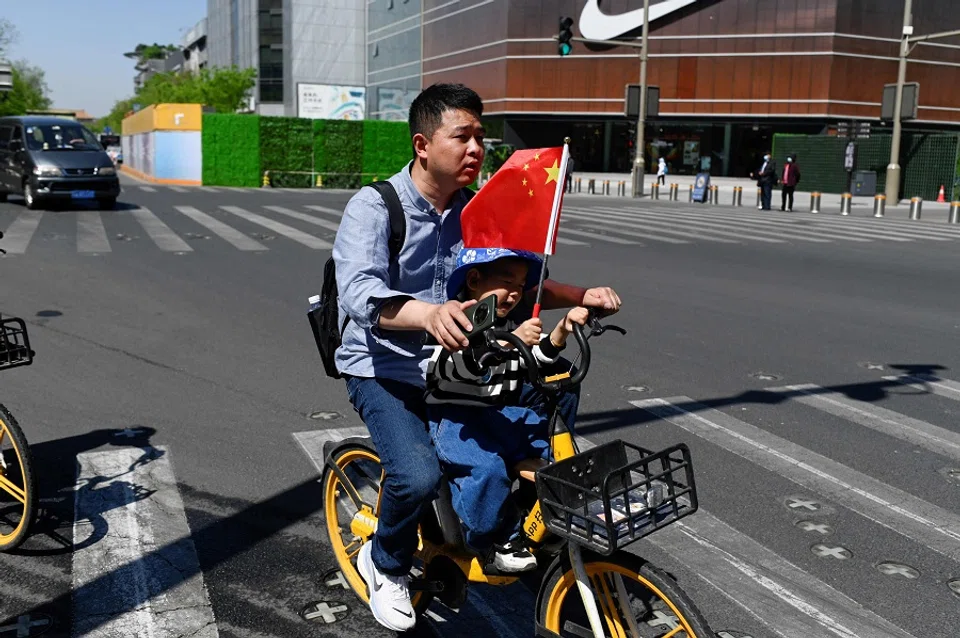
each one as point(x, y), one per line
point(477, 429)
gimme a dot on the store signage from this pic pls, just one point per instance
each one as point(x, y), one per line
point(596, 25)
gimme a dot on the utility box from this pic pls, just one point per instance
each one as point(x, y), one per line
point(865, 183)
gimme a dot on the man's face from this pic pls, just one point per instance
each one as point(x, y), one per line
point(455, 152)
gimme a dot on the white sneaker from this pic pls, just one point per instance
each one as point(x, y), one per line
point(512, 557)
point(389, 595)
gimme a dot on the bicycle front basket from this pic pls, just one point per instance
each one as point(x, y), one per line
point(616, 493)
point(14, 344)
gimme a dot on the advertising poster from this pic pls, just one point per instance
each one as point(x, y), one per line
point(691, 153)
point(330, 102)
point(394, 104)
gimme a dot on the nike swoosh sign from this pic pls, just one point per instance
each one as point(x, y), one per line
point(596, 25)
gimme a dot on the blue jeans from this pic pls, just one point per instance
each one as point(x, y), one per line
point(395, 415)
point(477, 448)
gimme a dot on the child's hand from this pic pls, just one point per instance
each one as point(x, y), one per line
point(576, 315)
point(529, 331)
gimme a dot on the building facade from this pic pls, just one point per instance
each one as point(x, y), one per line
point(194, 44)
point(294, 45)
point(731, 73)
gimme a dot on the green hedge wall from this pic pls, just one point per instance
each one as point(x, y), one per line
point(286, 144)
point(386, 148)
point(343, 154)
point(231, 149)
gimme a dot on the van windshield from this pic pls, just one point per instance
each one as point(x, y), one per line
point(45, 137)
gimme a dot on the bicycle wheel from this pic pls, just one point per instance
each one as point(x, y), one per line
point(17, 488)
point(657, 607)
point(359, 462)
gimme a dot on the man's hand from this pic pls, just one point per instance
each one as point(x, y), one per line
point(529, 331)
point(603, 298)
point(442, 322)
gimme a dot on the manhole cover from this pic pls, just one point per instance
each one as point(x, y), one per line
point(765, 376)
point(954, 585)
point(197, 236)
point(826, 551)
point(325, 612)
point(869, 365)
point(263, 237)
point(952, 474)
point(814, 527)
point(800, 504)
point(320, 415)
point(635, 388)
point(123, 237)
point(26, 626)
point(334, 580)
point(898, 569)
point(732, 634)
point(49, 313)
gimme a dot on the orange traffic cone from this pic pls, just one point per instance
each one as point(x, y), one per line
point(942, 197)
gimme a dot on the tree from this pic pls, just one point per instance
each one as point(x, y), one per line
point(8, 35)
point(29, 92)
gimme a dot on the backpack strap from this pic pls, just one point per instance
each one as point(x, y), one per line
point(398, 221)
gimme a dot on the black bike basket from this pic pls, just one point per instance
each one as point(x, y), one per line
point(14, 344)
point(616, 493)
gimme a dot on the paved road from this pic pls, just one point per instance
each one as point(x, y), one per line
point(176, 408)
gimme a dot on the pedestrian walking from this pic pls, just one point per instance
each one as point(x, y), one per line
point(766, 177)
point(662, 172)
point(789, 181)
point(569, 184)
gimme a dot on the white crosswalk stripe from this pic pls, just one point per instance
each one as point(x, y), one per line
point(930, 383)
point(18, 235)
point(903, 513)
point(143, 577)
point(616, 225)
point(179, 189)
point(229, 234)
point(663, 225)
point(282, 229)
point(160, 233)
point(91, 236)
point(599, 236)
point(310, 219)
point(149, 189)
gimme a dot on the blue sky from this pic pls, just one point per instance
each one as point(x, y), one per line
point(80, 46)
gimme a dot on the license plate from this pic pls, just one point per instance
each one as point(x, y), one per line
point(82, 194)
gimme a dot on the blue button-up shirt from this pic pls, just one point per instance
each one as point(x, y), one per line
point(366, 279)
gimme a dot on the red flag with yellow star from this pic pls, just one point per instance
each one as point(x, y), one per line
point(513, 210)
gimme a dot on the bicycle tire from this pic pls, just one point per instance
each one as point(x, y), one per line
point(649, 590)
point(347, 452)
point(21, 464)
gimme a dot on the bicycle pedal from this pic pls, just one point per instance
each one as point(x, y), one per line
point(430, 586)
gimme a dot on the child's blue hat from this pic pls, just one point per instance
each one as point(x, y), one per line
point(471, 257)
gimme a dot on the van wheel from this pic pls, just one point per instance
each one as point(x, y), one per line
point(29, 197)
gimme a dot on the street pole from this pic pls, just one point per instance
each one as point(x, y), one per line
point(893, 169)
point(639, 163)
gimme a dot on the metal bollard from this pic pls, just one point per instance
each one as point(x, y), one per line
point(591, 187)
point(879, 205)
point(916, 206)
point(710, 195)
point(655, 191)
point(738, 196)
point(716, 195)
point(674, 192)
point(621, 189)
point(691, 193)
point(846, 201)
point(954, 213)
point(578, 184)
point(814, 202)
point(606, 187)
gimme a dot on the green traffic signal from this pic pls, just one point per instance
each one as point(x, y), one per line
point(565, 36)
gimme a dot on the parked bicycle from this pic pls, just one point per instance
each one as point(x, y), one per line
point(581, 510)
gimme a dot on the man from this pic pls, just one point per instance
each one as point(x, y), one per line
point(392, 305)
point(766, 178)
point(791, 177)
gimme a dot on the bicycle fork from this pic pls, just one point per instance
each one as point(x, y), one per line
point(590, 603)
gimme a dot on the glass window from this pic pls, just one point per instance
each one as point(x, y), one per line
point(61, 137)
point(5, 135)
point(271, 91)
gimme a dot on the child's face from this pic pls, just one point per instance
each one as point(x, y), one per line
point(504, 278)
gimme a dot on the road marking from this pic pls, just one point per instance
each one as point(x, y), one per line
point(665, 229)
point(324, 209)
point(485, 611)
point(91, 236)
point(672, 222)
point(569, 242)
point(149, 189)
point(178, 189)
point(931, 383)
point(24, 626)
point(813, 526)
point(825, 551)
point(598, 236)
point(142, 578)
point(920, 433)
point(160, 233)
point(898, 569)
point(281, 229)
point(227, 233)
point(797, 503)
point(895, 509)
point(772, 224)
point(310, 219)
point(630, 233)
point(17, 237)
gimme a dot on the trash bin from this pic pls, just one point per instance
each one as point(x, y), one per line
point(865, 183)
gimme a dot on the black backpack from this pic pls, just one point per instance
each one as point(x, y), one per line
point(325, 317)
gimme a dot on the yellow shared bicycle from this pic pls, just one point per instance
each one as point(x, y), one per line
point(581, 510)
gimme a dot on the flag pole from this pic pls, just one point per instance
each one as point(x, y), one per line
point(554, 222)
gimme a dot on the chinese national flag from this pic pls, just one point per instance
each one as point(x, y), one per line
point(513, 209)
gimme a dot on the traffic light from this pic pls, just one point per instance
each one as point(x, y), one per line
point(565, 47)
